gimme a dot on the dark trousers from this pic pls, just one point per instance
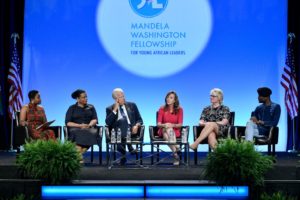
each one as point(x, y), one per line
point(123, 125)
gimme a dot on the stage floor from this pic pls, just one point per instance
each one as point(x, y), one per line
point(287, 167)
point(285, 175)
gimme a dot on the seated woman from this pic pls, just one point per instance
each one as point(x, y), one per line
point(214, 118)
point(170, 117)
point(33, 115)
point(81, 119)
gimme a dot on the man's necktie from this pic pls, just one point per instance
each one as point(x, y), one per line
point(122, 112)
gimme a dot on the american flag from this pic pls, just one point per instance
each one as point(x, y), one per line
point(288, 80)
point(15, 99)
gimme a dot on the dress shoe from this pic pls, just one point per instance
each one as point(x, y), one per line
point(176, 162)
point(134, 151)
point(122, 162)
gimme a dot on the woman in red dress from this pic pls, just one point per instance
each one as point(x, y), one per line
point(33, 115)
point(170, 118)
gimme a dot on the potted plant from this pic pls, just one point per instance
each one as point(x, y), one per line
point(52, 161)
point(235, 163)
point(277, 196)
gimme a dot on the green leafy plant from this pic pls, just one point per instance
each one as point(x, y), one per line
point(237, 163)
point(19, 197)
point(52, 161)
point(277, 196)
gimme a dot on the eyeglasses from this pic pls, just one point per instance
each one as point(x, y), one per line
point(213, 96)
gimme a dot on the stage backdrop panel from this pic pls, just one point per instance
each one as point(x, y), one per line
point(151, 47)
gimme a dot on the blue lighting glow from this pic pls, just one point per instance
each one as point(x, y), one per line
point(185, 192)
point(58, 192)
point(234, 192)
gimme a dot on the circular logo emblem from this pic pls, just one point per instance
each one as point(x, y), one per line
point(154, 46)
point(148, 8)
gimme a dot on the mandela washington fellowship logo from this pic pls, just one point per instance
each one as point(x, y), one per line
point(151, 46)
point(148, 8)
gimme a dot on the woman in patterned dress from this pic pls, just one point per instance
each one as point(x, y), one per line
point(33, 115)
point(214, 118)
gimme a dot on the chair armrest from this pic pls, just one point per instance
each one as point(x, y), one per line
point(141, 131)
point(66, 133)
point(232, 133)
point(99, 130)
point(21, 133)
point(272, 138)
point(273, 134)
point(107, 133)
point(57, 131)
point(239, 131)
point(196, 131)
point(151, 132)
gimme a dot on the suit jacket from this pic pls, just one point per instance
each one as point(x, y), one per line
point(132, 112)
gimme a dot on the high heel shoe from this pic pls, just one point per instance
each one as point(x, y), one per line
point(191, 147)
point(178, 151)
point(176, 159)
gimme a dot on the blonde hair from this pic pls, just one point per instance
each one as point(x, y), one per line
point(218, 92)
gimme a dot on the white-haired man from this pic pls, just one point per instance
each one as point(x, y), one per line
point(123, 114)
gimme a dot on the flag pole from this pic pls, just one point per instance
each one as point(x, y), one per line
point(294, 138)
point(11, 136)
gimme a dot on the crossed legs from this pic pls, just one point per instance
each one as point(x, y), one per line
point(174, 148)
point(209, 131)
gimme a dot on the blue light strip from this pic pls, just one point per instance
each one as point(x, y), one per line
point(92, 192)
point(234, 192)
point(76, 192)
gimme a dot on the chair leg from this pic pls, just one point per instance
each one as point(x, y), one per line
point(180, 149)
point(151, 154)
point(269, 149)
point(141, 154)
point(185, 153)
point(273, 150)
point(107, 153)
point(196, 157)
point(92, 154)
point(157, 155)
point(136, 155)
point(18, 150)
point(115, 154)
point(100, 154)
point(209, 149)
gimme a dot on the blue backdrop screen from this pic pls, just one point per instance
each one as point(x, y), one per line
point(151, 47)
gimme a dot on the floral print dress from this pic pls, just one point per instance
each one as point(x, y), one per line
point(210, 114)
point(36, 117)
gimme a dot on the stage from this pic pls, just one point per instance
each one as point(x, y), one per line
point(285, 176)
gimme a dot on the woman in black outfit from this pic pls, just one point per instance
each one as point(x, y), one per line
point(81, 119)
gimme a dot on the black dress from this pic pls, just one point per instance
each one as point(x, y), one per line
point(82, 115)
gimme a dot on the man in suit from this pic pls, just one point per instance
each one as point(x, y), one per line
point(123, 115)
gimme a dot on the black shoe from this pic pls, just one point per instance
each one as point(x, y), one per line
point(179, 153)
point(122, 162)
point(134, 151)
